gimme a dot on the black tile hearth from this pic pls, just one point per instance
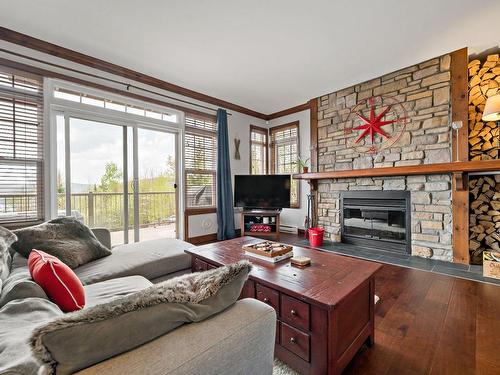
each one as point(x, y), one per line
point(469, 272)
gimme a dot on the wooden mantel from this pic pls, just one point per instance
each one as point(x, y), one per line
point(437, 168)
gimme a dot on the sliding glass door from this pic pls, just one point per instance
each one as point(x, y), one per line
point(156, 200)
point(118, 176)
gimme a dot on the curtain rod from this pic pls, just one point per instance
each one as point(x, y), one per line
point(128, 86)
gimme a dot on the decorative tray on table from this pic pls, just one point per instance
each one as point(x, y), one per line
point(269, 251)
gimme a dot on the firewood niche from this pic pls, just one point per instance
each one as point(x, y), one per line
point(484, 81)
point(484, 216)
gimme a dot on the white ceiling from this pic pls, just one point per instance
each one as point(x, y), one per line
point(264, 55)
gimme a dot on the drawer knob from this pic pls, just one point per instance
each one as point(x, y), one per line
point(293, 340)
point(266, 300)
point(293, 312)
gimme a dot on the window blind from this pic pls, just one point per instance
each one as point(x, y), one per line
point(21, 146)
point(258, 150)
point(200, 158)
point(284, 154)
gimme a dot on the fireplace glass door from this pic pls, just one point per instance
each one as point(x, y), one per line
point(381, 224)
point(376, 219)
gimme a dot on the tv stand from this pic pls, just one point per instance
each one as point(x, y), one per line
point(259, 220)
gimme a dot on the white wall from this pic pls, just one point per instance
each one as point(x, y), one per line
point(296, 216)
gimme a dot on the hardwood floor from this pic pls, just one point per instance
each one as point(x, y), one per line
point(426, 323)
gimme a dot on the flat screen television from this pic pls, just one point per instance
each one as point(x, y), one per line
point(262, 191)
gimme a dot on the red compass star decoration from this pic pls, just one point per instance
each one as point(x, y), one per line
point(357, 126)
point(374, 124)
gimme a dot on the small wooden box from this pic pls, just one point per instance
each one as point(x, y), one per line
point(491, 264)
point(268, 249)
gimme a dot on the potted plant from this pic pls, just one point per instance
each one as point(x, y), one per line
point(302, 163)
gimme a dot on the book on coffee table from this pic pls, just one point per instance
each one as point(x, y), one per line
point(270, 259)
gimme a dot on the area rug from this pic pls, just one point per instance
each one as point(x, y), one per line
point(281, 368)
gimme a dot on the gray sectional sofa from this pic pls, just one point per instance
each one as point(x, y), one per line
point(239, 340)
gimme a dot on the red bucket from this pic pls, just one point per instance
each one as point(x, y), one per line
point(316, 236)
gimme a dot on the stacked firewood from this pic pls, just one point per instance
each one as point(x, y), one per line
point(484, 216)
point(484, 81)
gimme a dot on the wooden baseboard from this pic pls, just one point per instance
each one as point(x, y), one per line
point(207, 238)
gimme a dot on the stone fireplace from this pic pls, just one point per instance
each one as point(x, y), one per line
point(423, 93)
point(430, 213)
point(378, 219)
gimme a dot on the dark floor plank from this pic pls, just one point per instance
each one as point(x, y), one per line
point(455, 353)
point(488, 330)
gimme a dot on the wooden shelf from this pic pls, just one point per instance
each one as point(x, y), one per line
point(438, 168)
point(261, 214)
point(263, 234)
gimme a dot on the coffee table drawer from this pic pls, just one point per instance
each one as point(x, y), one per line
point(269, 296)
point(199, 265)
point(295, 312)
point(295, 341)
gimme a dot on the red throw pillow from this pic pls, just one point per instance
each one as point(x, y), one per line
point(57, 280)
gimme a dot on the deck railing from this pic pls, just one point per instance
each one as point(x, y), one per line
point(101, 209)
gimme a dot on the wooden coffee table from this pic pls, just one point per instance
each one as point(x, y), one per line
point(325, 311)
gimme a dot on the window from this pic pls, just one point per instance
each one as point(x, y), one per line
point(200, 150)
point(116, 162)
point(258, 150)
point(21, 147)
point(102, 102)
point(284, 154)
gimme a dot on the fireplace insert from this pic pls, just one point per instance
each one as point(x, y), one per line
point(377, 219)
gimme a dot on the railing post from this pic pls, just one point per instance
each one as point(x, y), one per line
point(90, 207)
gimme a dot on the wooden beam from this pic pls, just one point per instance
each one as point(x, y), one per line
point(459, 105)
point(412, 170)
point(460, 153)
point(460, 214)
point(288, 111)
point(27, 41)
point(313, 124)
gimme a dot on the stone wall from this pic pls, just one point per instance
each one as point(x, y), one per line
point(424, 91)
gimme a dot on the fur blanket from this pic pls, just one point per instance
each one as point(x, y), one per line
point(160, 308)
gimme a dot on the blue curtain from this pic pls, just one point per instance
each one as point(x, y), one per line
point(225, 208)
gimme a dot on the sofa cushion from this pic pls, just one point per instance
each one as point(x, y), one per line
point(58, 281)
point(105, 291)
point(150, 259)
point(17, 320)
point(65, 238)
point(20, 285)
point(83, 338)
point(6, 239)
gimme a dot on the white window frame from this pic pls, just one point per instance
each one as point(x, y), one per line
point(54, 106)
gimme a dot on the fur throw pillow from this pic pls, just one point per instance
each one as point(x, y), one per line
point(6, 240)
point(65, 238)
